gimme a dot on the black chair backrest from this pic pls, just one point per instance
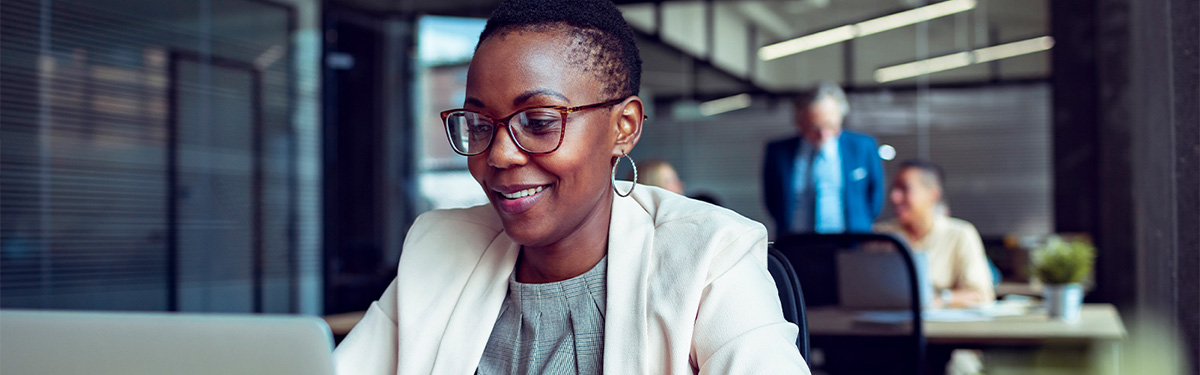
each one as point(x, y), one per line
point(790, 296)
point(814, 259)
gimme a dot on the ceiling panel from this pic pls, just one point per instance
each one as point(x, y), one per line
point(673, 58)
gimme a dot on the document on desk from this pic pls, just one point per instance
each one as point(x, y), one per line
point(1008, 308)
point(956, 315)
point(979, 314)
point(882, 319)
point(885, 318)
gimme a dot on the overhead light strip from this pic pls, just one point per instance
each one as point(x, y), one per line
point(726, 104)
point(913, 16)
point(1007, 50)
point(869, 27)
point(922, 67)
point(807, 42)
point(961, 59)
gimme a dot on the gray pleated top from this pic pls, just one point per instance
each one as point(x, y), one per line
point(552, 328)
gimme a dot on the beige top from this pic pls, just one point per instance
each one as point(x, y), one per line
point(955, 253)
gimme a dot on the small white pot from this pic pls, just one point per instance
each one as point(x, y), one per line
point(1063, 301)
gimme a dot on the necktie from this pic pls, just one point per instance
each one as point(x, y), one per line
point(827, 207)
point(802, 212)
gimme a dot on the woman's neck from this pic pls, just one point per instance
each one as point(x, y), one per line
point(571, 256)
point(919, 227)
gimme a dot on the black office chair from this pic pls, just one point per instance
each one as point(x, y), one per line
point(814, 259)
point(790, 296)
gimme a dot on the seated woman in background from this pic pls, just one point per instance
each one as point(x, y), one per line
point(957, 262)
point(662, 174)
point(658, 173)
point(567, 270)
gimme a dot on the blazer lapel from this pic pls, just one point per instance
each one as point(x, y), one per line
point(847, 154)
point(451, 282)
point(630, 243)
point(788, 174)
point(477, 308)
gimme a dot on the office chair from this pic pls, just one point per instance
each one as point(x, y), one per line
point(790, 296)
point(814, 259)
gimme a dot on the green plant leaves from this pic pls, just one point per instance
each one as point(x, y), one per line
point(1064, 262)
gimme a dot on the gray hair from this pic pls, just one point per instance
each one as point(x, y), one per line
point(825, 89)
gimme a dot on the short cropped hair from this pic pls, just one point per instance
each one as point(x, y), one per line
point(603, 42)
point(825, 89)
point(934, 177)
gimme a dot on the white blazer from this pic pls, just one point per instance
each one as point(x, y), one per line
point(688, 292)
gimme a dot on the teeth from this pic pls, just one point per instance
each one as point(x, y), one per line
point(523, 193)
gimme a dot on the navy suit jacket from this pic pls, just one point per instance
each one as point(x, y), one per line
point(862, 176)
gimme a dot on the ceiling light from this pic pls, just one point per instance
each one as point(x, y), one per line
point(726, 104)
point(873, 26)
point(1007, 50)
point(913, 16)
point(922, 67)
point(961, 59)
point(805, 43)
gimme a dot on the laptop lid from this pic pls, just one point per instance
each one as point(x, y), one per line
point(110, 343)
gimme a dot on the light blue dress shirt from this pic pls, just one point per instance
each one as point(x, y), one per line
point(818, 189)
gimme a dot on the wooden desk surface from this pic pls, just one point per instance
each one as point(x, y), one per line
point(1024, 289)
point(341, 324)
point(1096, 322)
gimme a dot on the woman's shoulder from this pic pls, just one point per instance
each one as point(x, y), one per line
point(957, 225)
point(482, 216)
point(689, 231)
point(699, 239)
point(669, 210)
point(459, 228)
point(960, 231)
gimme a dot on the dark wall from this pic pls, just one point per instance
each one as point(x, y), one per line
point(368, 152)
point(1091, 135)
point(355, 271)
point(1127, 151)
point(1165, 42)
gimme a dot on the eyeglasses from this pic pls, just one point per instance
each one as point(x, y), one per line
point(536, 130)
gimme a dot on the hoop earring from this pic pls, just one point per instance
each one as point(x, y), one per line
point(614, 175)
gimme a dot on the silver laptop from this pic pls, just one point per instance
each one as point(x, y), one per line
point(107, 343)
point(879, 280)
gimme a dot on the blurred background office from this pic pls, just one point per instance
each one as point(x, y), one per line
point(269, 155)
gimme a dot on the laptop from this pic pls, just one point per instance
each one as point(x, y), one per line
point(111, 343)
point(879, 280)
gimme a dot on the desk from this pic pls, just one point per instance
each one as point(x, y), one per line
point(1099, 327)
point(1096, 322)
point(341, 324)
point(1024, 289)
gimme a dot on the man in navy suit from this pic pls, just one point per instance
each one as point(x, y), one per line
point(825, 180)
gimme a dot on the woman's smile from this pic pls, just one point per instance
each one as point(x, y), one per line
point(515, 199)
point(523, 193)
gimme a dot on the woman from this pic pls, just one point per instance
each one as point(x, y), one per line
point(658, 173)
point(560, 274)
point(958, 265)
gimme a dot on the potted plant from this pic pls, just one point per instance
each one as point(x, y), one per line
point(1061, 266)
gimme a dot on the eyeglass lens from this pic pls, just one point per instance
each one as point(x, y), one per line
point(536, 130)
